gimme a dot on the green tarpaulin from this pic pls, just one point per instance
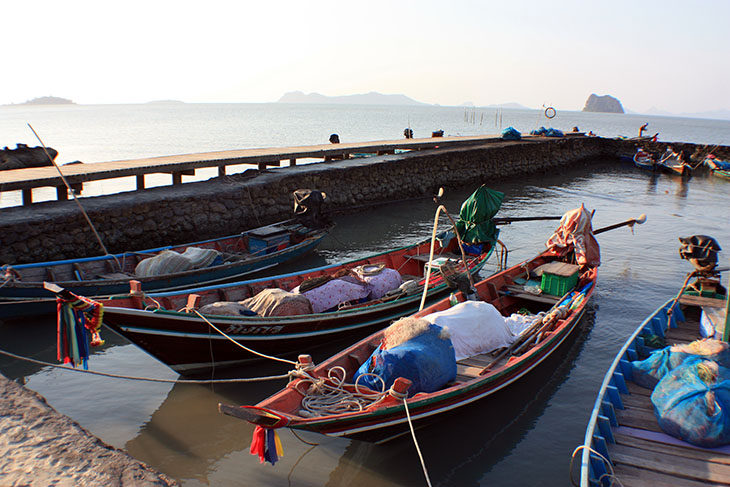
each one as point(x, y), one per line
point(475, 223)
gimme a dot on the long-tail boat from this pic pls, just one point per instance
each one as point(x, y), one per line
point(161, 269)
point(184, 330)
point(554, 315)
point(625, 443)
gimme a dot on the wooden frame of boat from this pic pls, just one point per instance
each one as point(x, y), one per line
point(477, 377)
point(187, 344)
point(101, 276)
point(622, 427)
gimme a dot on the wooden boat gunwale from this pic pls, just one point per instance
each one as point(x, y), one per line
point(610, 378)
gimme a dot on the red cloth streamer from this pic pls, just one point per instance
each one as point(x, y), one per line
point(258, 443)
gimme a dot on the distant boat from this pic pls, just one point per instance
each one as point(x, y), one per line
point(644, 160)
point(673, 165)
point(721, 173)
point(714, 163)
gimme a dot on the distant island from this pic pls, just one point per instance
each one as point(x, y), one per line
point(165, 102)
point(48, 100)
point(603, 104)
point(371, 98)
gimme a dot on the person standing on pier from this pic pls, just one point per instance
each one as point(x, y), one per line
point(643, 129)
point(334, 139)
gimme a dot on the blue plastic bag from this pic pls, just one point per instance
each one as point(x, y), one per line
point(427, 360)
point(692, 403)
point(510, 133)
point(648, 372)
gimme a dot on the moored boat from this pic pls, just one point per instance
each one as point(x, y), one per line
point(713, 162)
point(635, 436)
point(482, 364)
point(165, 268)
point(721, 173)
point(282, 314)
point(644, 160)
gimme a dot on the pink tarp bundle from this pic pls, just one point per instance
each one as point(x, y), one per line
point(335, 292)
point(575, 231)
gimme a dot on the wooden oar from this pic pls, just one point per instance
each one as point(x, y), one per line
point(640, 220)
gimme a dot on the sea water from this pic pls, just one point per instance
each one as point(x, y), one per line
point(526, 437)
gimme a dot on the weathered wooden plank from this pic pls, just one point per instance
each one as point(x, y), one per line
point(676, 466)
point(637, 418)
point(701, 301)
point(634, 388)
point(630, 476)
point(687, 451)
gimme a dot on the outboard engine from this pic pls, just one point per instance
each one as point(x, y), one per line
point(308, 207)
point(701, 251)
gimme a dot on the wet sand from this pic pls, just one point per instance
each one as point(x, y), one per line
point(41, 447)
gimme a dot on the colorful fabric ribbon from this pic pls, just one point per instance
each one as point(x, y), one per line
point(266, 445)
point(77, 316)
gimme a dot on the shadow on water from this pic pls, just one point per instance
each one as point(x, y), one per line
point(464, 445)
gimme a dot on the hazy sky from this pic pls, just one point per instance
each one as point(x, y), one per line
point(672, 55)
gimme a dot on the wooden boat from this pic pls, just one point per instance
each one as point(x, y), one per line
point(721, 173)
point(186, 343)
point(644, 160)
point(623, 440)
point(22, 293)
point(713, 162)
point(672, 165)
point(167, 268)
point(477, 376)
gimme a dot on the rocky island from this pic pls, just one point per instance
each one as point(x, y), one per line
point(48, 100)
point(604, 104)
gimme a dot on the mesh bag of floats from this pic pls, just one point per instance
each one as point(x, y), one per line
point(648, 372)
point(413, 349)
point(692, 403)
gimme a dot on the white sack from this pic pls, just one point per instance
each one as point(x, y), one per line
point(475, 326)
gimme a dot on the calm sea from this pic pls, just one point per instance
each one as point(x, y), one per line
point(525, 438)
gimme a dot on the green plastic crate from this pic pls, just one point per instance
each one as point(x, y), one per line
point(558, 285)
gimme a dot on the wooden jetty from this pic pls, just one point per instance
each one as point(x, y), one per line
point(181, 165)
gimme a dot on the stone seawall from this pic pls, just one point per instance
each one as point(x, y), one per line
point(230, 204)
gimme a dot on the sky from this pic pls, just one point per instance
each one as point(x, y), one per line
point(667, 55)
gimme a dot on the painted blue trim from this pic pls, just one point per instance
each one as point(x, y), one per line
point(590, 470)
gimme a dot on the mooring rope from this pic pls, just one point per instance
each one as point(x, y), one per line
point(286, 361)
point(321, 398)
point(415, 441)
point(611, 476)
point(147, 379)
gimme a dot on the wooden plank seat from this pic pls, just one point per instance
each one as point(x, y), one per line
point(519, 292)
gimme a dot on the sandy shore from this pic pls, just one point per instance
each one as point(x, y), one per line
point(41, 447)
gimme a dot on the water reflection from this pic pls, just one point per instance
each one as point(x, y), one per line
point(460, 448)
